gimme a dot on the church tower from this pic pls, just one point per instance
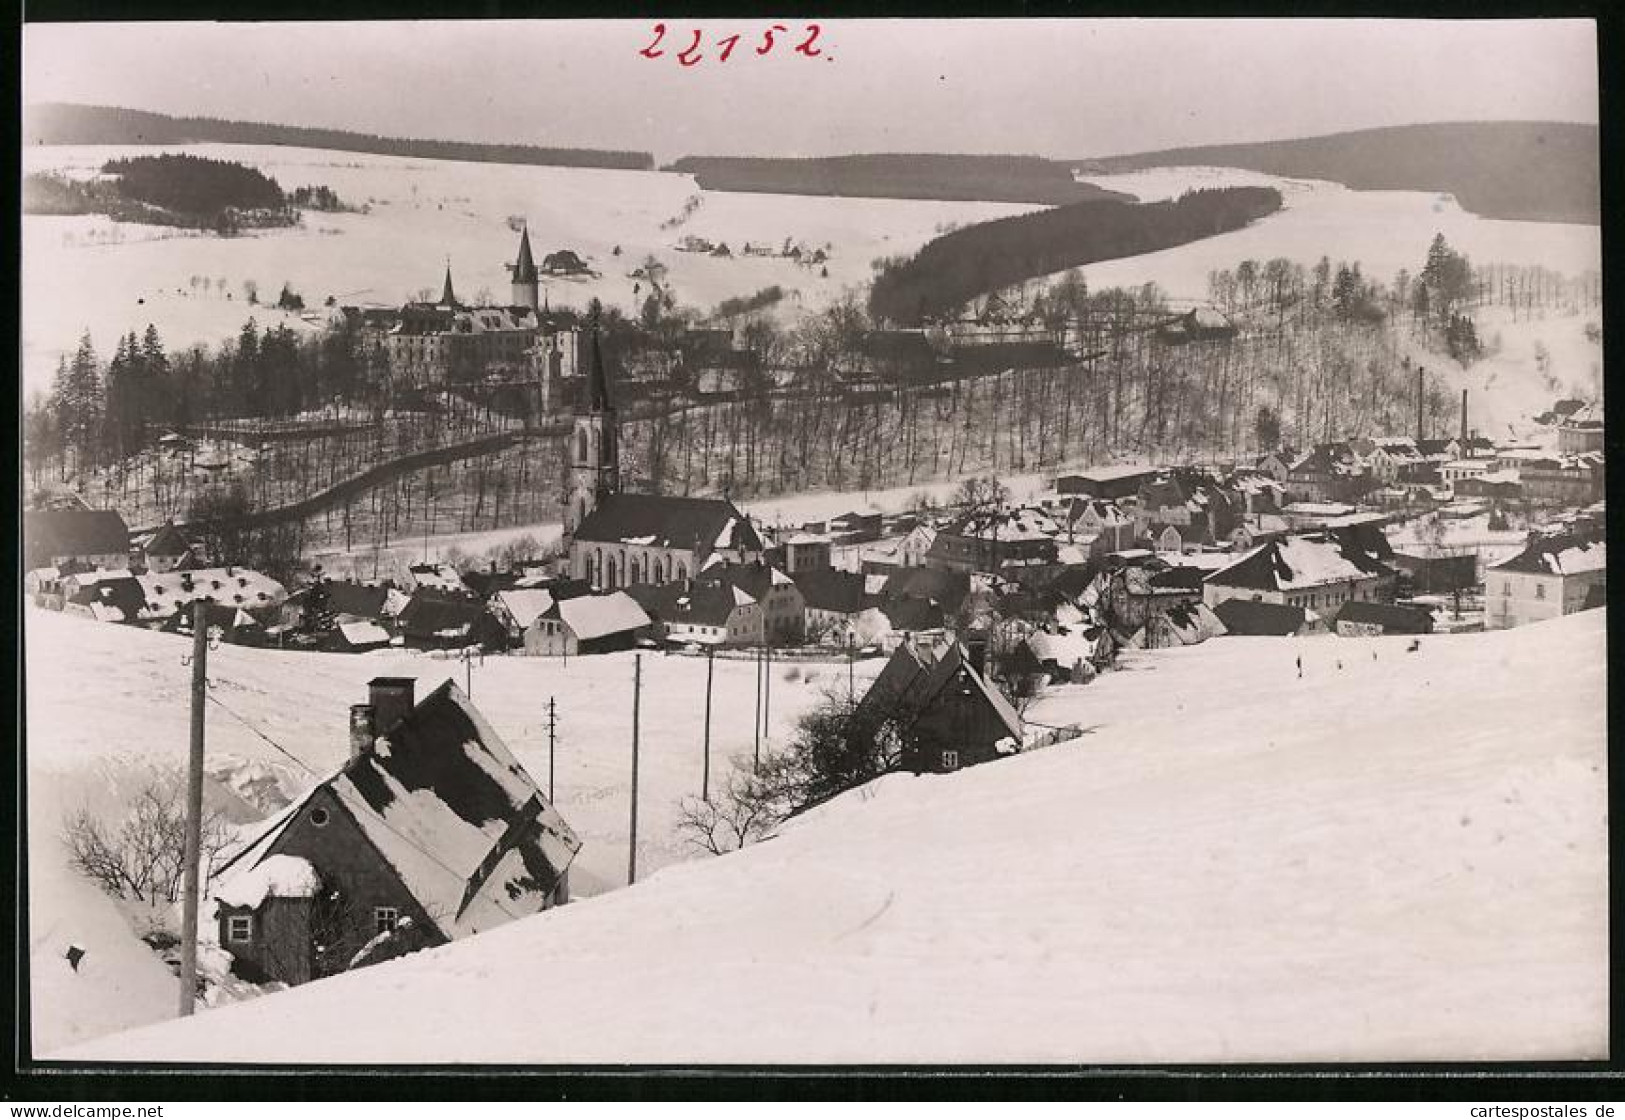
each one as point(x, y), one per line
point(448, 298)
point(595, 470)
point(525, 279)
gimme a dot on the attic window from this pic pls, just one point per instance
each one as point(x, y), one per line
point(385, 918)
point(240, 928)
point(318, 817)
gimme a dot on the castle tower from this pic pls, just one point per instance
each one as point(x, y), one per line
point(525, 280)
point(595, 470)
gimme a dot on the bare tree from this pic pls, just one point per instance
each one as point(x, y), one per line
point(143, 856)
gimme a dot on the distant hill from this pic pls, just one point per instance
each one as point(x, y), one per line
point(1538, 171)
point(956, 178)
point(57, 123)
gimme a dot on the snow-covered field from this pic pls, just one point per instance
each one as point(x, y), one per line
point(91, 273)
point(1384, 230)
point(422, 212)
point(1399, 856)
point(78, 751)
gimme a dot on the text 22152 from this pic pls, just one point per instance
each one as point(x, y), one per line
point(697, 46)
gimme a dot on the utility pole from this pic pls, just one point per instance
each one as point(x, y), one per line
point(705, 774)
point(767, 691)
point(637, 696)
point(552, 729)
point(756, 758)
point(851, 660)
point(194, 808)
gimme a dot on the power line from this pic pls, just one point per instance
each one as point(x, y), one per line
point(312, 771)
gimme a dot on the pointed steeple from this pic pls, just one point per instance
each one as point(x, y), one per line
point(598, 386)
point(524, 270)
point(447, 296)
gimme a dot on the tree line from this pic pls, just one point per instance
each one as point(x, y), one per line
point(950, 271)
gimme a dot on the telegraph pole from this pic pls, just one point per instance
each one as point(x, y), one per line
point(756, 760)
point(705, 778)
point(194, 808)
point(767, 691)
point(552, 728)
point(637, 696)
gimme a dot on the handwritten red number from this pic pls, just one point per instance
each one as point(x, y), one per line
point(693, 49)
point(767, 38)
point(806, 47)
point(731, 41)
point(649, 51)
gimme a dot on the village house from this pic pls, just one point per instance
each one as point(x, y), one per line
point(1553, 575)
point(102, 595)
point(710, 614)
point(1581, 431)
point(833, 600)
point(799, 552)
point(75, 538)
point(940, 701)
point(995, 541)
point(916, 545)
point(587, 624)
point(1563, 480)
point(431, 831)
point(1098, 525)
point(1318, 573)
point(781, 617)
point(438, 620)
point(339, 600)
point(165, 550)
point(169, 593)
point(1182, 624)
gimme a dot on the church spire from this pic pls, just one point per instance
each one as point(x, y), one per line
point(524, 270)
point(447, 296)
point(598, 385)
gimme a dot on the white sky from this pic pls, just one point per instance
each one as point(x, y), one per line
point(1065, 88)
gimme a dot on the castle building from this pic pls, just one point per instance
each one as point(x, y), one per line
point(616, 539)
point(422, 344)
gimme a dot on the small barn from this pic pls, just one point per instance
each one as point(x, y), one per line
point(1358, 619)
point(588, 624)
point(1250, 618)
point(942, 703)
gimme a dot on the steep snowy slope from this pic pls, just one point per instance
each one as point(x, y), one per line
point(1399, 856)
point(108, 704)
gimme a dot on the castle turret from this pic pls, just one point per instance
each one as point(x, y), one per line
point(525, 278)
point(595, 470)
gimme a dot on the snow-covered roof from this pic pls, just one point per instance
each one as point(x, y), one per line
point(277, 876)
point(525, 605)
point(1298, 563)
point(595, 616)
point(363, 633)
point(167, 592)
point(1559, 555)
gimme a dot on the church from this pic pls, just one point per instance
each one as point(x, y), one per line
point(614, 538)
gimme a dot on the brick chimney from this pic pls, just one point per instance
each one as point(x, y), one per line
point(391, 700)
point(363, 729)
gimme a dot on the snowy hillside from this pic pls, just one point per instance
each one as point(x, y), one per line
point(91, 273)
point(1399, 856)
point(93, 754)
